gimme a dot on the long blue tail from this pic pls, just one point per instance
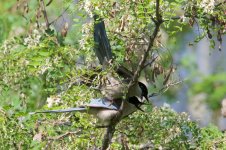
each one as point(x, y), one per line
point(102, 46)
point(62, 110)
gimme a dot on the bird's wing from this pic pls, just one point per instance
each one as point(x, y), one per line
point(103, 103)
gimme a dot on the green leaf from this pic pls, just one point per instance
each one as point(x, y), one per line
point(43, 53)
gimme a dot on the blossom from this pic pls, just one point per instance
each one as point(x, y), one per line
point(53, 100)
point(33, 39)
point(207, 5)
point(45, 67)
point(87, 8)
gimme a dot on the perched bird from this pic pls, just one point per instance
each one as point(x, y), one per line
point(114, 89)
point(101, 108)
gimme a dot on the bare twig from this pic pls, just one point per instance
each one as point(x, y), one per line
point(158, 21)
point(165, 88)
point(63, 135)
point(150, 62)
point(168, 75)
point(59, 15)
point(44, 13)
point(144, 146)
point(49, 2)
point(180, 17)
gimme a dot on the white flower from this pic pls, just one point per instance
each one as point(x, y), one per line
point(87, 7)
point(53, 100)
point(207, 5)
point(45, 67)
point(33, 39)
point(86, 30)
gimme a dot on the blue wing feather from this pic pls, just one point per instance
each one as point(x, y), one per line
point(102, 103)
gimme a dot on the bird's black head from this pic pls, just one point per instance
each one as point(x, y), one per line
point(144, 90)
point(135, 101)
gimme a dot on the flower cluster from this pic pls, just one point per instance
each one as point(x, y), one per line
point(53, 100)
point(33, 39)
point(87, 5)
point(86, 30)
point(45, 67)
point(207, 5)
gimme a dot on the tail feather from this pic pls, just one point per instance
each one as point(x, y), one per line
point(62, 110)
point(102, 46)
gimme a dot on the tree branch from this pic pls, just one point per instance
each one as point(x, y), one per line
point(152, 38)
point(165, 88)
point(44, 13)
point(186, 15)
point(63, 135)
point(150, 62)
point(59, 15)
point(111, 129)
point(108, 136)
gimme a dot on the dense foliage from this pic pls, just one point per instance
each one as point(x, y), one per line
point(42, 69)
point(157, 128)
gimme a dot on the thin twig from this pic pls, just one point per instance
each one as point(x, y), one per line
point(59, 15)
point(144, 146)
point(165, 88)
point(168, 75)
point(150, 62)
point(49, 2)
point(45, 13)
point(179, 17)
point(152, 38)
point(63, 135)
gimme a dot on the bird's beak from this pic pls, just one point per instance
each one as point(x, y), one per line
point(146, 97)
point(139, 108)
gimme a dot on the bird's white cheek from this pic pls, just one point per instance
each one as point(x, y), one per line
point(135, 91)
